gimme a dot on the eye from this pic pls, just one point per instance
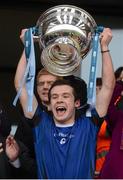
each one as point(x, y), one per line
point(50, 82)
point(40, 83)
point(66, 95)
point(54, 96)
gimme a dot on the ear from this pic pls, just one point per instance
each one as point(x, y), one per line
point(77, 103)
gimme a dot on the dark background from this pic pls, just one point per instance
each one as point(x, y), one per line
point(15, 16)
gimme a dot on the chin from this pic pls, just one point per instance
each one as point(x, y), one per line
point(45, 100)
point(61, 120)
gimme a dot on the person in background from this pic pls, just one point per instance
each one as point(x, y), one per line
point(119, 73)
point(8, 169)
point(112, 167)
point(44, 80)
point(17, 159)
point(103, 138)
point(5, 128)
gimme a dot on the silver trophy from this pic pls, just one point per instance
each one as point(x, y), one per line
point(65, 36)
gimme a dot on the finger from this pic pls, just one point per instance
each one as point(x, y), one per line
point(9, 139)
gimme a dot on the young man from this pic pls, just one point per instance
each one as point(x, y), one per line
point(65, 146)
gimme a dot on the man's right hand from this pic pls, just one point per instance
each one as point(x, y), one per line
point(12, 148)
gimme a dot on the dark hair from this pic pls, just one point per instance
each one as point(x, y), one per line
point(118, 72)
point(80, 86)
point(61, 82)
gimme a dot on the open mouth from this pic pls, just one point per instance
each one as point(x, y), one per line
point(60, 110)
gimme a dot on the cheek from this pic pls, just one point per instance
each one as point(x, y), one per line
point(52, 105)
point(70, 105)
point(38, 92)
point(40, 89)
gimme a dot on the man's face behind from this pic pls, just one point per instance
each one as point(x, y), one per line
point(43, 85)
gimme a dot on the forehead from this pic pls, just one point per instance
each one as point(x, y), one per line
point(59, 89)
point(47, 77)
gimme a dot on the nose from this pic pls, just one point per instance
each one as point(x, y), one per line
point(46, 86)
point(59, 99)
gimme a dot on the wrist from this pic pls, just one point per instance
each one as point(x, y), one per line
point(105, 51)
point(13, 159)
point(15, 163)
point(104, 47)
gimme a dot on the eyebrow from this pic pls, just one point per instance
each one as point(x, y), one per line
point(66, 93)
point(41, 82)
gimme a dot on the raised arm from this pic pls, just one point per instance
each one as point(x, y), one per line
point(108, 78)
point(17, 81)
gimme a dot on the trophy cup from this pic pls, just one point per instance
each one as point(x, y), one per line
point(65, 34)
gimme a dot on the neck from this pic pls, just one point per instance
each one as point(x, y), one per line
point(64, 122)
point(64, 125)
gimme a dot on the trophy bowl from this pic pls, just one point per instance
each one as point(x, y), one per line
point(65, 34)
